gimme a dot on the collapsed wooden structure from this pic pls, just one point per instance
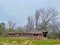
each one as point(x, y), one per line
point(35, 33)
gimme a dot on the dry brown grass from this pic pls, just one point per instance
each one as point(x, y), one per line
point(56, 44)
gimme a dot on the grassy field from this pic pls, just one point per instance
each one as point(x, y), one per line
point(27, 41)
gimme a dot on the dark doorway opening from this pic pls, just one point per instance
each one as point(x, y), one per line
point(45, 34)
point(35, 34)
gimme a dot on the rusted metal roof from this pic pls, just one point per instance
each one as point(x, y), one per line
point(34, 31)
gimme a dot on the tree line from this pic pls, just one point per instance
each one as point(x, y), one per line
point(43, 19)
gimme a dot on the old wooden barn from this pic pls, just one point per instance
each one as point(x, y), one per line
point(35, 33)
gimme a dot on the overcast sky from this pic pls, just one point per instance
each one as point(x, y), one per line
point(18, 10)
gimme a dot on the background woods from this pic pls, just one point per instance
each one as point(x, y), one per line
point(44, 19)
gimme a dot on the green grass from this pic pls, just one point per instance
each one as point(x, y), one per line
point(46, 42)
point(35, 42)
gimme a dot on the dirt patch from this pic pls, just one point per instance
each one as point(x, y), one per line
point(5, 43)
point(56, 44)
point(28, 42)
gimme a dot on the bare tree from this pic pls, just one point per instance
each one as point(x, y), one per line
point(37, 18)
point(11, 25)
point(30, 24)
point(46, 17)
